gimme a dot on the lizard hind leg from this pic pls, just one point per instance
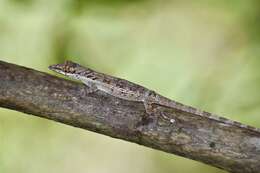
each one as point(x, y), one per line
point(149, 100)
point(150, 110)
point(148, 107)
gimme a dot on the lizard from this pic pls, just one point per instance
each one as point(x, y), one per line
point(130, 91)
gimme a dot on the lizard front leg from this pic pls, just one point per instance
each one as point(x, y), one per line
point(91, 88)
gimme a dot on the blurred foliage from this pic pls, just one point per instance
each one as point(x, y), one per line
point(202, 53)
point(78, 6)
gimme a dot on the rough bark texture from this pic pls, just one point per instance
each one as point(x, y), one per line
point(228, 147)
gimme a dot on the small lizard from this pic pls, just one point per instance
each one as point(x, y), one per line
point(124, 89)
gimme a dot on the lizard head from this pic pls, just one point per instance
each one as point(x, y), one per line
point(68, 68)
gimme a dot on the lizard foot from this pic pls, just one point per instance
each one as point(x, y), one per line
point(171, 120)
point(151, 110)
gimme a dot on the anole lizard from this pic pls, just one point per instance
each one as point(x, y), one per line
point(124, 89)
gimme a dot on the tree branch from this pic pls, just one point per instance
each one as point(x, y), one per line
point(229, 147)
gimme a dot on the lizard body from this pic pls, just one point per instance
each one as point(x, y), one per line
point(127, 90)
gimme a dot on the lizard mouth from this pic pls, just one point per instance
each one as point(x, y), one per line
point(59, 68)
point(55, 67)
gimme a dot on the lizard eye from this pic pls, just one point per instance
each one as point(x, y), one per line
point(72, 70)
point(66, 69)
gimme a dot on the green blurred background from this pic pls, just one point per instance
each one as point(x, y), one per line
point(201, 53)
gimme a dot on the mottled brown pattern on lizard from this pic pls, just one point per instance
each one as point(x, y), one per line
point(130, 91)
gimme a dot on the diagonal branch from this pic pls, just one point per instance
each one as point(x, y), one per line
point(226, 146)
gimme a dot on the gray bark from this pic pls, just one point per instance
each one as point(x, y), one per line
point(229, 147)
